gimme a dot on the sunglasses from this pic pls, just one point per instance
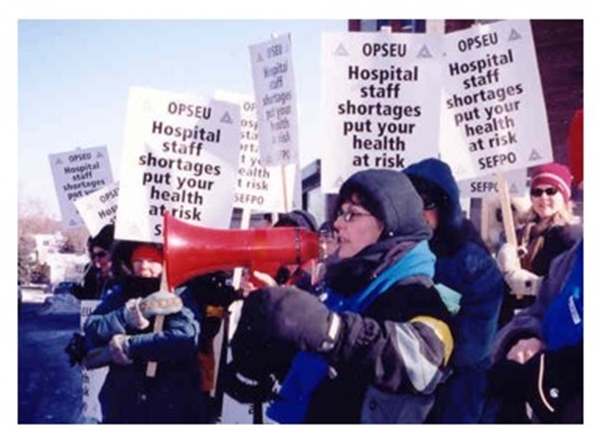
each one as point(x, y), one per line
point(349, 215)
point(428, 201)
point(429, 204)
point(101, 254)
point(550, 191)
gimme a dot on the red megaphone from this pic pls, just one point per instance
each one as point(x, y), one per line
point(191, 250)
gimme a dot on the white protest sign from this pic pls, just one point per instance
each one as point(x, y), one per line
point(258, 188)
point(181, 154)
point(77, 173)
point(493, 113)
point(488, 186)
point(381, 102)
point(274, 89)
point(99, 208)
point(92, 379)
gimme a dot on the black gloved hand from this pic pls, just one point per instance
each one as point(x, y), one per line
point(259, 358)
point(248, 386)
point(275, 322)
point(76, 349)
point(290, 317)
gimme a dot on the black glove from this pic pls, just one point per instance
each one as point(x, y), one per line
point(275, 322)
point(247, 385)
point(259, 359)
point(291, 317)
point(76, 349)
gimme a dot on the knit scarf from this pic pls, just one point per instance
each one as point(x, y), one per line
point(308, 370)
point(532, 241)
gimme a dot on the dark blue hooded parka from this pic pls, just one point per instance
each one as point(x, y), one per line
point(464, 265)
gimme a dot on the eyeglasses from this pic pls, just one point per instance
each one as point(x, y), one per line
point(101, 254)
point(349, 215)
point(550, 191)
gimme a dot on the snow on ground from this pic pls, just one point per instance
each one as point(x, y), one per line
point(61, 304)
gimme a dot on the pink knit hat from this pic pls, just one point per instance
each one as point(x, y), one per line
point(553, 174)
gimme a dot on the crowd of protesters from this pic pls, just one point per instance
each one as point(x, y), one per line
point(405, 317)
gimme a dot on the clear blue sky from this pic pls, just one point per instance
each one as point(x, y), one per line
point(74, 77)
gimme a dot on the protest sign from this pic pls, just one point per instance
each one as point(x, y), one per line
point(181, 154)
point(92, 379)
point(99, 208)
point(381, 102)
point(493, 113)
point(78, 173)
point(258, 188)
point(487, 186)
point(274, 89)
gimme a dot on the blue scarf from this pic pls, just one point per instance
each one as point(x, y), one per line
point(308, 370)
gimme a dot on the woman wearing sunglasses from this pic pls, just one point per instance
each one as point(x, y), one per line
point(551, 229)
point(99, 273)
point(464, 264)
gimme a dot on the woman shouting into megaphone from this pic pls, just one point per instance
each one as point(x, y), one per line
point(375, 349)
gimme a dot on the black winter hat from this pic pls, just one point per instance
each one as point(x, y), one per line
point(103, 239)
point(297, 218)
point(390, 197)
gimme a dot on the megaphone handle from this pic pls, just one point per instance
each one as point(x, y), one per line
point(152, 366)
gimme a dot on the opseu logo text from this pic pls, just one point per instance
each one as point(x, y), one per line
point(79, 157)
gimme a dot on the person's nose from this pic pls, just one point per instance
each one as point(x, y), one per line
point(145, 264)
point(339, 223)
